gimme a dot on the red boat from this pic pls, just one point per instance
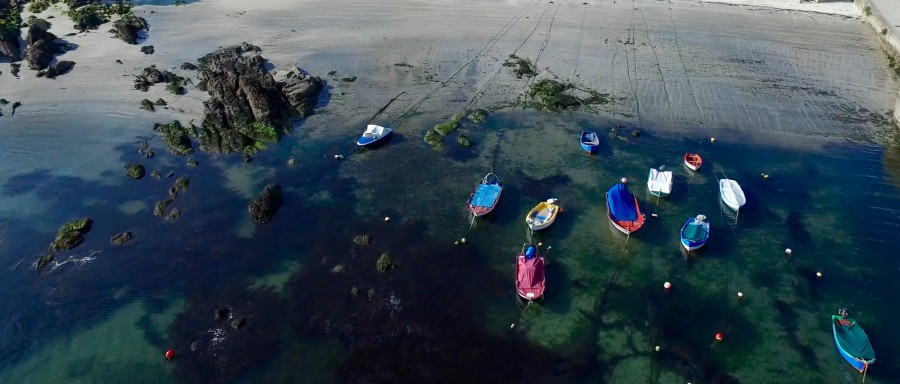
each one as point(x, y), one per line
point(622, 210)
point(530, 281)
point(693, 161)
point(486, 195)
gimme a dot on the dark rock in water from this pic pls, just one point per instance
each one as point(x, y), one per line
point(385, 262)
point(433, 138)
point(188, 66)
point(128, 27)
point(71, 234)
point(176, 137)
point(155, 174)
point(44, 260)
point(247, 107)
point(354, 291)
point(147, 50)
point(134, 171)
point(192, 163)
point(238, 323)
point(478, 116)
point(59, 68)
point(371, 294)
point(635, 133)
point(292, 162)
point(173, 193)
point(363, 239)
point(122, 238)
point(463, 140)
point(221, 313)
point(42, 46)
point(182, 184)
point(448, 126)
point(338, 269)
point(174, 214)
point(263, 208)
point(245, 157)
point(160, 208)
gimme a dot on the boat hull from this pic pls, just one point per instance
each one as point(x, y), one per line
point(693, 244)
point(857, 363)
point(626, 227)
point(538, 224)
point(370, 142)
point(732, 194)
point(587, 143)
point(480, 210)
point(693, 161)
point(659, 194)
point(530, 277)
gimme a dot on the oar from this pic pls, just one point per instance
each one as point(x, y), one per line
point(513, 325)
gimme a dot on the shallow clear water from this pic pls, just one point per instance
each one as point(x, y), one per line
point(107, 314)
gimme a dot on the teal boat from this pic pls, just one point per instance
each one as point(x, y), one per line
point(852, 342)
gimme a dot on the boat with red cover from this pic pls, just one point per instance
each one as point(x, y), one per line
point(530, 279)
point(693, 161)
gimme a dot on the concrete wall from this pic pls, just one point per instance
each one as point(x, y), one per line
point(890, 40)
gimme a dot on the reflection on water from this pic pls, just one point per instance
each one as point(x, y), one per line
point(308, 293)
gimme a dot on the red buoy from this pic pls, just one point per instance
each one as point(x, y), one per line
point(719, 336)
point(170, 354)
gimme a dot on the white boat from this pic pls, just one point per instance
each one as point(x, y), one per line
point(659, 182)
point(373, 134)
point(732, 194)
point(542, 215)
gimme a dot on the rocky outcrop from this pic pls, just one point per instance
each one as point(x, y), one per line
point(247, 108)
point(134, 171)
point(71, 234)
point(10, 20)
point(263, 208)
point(176, 137)
point(42, 46)
point(151, 75)
point(128, 28)
point(58, 68)
point(122, 238)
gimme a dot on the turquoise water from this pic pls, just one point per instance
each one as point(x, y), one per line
point(443, 314)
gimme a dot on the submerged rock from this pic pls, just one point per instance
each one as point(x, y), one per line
point(156, 175)
point(363, 239)
point(385, 262)
point(478, 116)
point(71, 234)
point(182, 184)
point(463, 140)
point(449, 126)
point(292, 162)
point(134, 171)
point(263, 208)
point(338, 269)
point(160, 208)
point(174, 214)
point(176, 137)
point(128, 28)
point(238, 323)
point(121, 238)
point(221, 313)
point(433, 138)
point(45, 259)
point(354, 291)
point(247, 107)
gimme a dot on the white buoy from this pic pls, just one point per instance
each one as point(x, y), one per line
point(667, 285)
point(338, 157)
point(654, 215)
point(787, 251)
point(462, 241)
point(712, 139)
point(387, 218)
point(819, 274)
point(624, 180)
point(657, 348)
point(740, 295)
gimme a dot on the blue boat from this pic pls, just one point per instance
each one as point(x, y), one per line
point(694, 233)
point(590, 142)
point(373, 134)
point(852, 342)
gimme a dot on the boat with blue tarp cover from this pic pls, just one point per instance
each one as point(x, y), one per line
point(622, 209)
point(530, 279)
point(486, 195)
point(694, 233)
point(590, 142)
point(852, 342)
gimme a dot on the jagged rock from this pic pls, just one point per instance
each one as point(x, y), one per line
point(151, 75)
point(71, 234)
point(363, 240)
point(301, 91)
point(192, 163)
point(128, 27)
point(122, 238)
point(182, 184)
point(160, 102)
point(147, 105)
point(14, 69)
point(338, 269)
point(160, 208)
point(384, 263)
point(188, 66)
point(9, 31)
point(263, 208)
point(59, 68)
point(134, 171)
point(45, 259)
point(246, 108)
point(174, 214)
point(238, 323)
point(42, 46)
point(354, 291)
point(147, 50)
point(176, 137)
point(478, 116)
point(221, 313)
point(463, 140)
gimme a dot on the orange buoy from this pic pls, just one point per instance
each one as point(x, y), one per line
point(719, 336)
point(170, 354)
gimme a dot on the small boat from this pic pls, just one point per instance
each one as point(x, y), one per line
point(695, 233)
point(693, 161)
point(622, 209)
point(852, 342)
point(530, 281)
point(373, 134)
point(542, 215)
point(732, 194)
point(486, 195)
point(659, 182)
point(590, 142)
